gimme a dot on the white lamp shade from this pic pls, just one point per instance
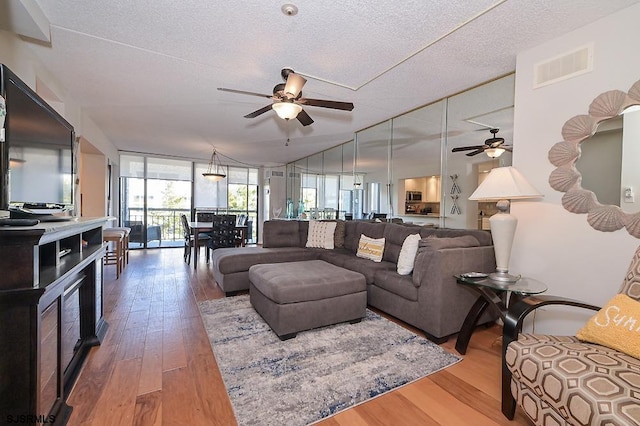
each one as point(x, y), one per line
point(505, 183)
point(286, 110)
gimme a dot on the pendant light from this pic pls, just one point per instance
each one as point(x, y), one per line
point(214, 172)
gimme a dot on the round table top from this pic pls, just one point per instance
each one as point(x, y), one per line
point(525, 285)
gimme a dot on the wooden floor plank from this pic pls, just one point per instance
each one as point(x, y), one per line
point(156, 365)
point(148, 410)
point(151, 373)
point(117, 403)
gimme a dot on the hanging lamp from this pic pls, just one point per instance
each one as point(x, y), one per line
point(214, 172)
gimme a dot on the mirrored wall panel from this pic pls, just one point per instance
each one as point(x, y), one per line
point(420, 167)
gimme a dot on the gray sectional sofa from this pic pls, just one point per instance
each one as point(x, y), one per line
point(428, 298)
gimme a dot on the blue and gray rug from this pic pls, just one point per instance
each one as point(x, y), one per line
point(317, 374)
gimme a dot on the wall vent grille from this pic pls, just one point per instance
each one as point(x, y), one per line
point(274, 173)
point(563, 67)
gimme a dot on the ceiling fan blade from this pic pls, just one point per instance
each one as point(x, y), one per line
point(345, 106)
point(304, 118)
point(476, 152)
point(258, 112)
point(294, 84)
point(242, 92)
point(467, 148)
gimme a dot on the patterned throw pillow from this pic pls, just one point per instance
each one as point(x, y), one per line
point(321, 234)
point(616, 326)
point(408, 254)
point(370, 248)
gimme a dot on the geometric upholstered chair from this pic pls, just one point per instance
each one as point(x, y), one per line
point(560, 380)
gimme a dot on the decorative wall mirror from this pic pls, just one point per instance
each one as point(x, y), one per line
point(565, 155)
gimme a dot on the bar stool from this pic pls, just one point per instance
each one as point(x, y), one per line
point(114, 255)
point(125, 244)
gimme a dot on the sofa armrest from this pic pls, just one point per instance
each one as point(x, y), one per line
point(458, 261)
point(443, 303)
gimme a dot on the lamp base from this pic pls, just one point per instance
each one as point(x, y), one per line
point(504, 277)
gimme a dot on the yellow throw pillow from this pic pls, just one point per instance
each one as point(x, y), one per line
point(370, 248)
point(616, 325)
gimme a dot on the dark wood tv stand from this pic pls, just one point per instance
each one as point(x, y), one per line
point(51, 314)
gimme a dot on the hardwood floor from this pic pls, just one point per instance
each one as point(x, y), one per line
point(156, 367)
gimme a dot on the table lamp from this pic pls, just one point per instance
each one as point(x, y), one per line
point(501, 185)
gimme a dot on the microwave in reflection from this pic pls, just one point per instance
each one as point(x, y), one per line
point(414, 196)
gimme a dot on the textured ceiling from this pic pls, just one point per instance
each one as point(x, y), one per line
point(146, 71)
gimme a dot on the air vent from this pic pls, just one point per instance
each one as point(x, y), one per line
point(562, 67)
point(274, 173)
point(294, 175)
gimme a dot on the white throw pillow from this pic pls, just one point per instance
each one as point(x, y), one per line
point(408, 254)
point(370, 248)
point(321, 234)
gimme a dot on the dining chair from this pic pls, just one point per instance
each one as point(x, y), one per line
point(189, 240)
point(224, 233)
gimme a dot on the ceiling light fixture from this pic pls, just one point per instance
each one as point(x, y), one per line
point(287, 110)
point(494, 152)
point(214, 172)
point(289, 9)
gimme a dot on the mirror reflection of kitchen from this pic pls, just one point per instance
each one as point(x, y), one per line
point(421, 196)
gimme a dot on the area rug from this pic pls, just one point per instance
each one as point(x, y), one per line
point(318, 373)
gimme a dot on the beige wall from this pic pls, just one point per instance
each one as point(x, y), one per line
point(551, 244)
point(92, 185)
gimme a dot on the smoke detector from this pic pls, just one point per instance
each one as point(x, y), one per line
point(289, 9)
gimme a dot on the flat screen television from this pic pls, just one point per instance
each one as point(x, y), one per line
point(37, 155)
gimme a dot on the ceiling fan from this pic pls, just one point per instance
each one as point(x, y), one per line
point(287, 99)
point(493, 146)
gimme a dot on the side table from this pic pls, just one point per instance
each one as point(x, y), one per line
point(491, 293)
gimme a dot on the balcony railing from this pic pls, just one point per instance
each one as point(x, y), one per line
point(164, 228)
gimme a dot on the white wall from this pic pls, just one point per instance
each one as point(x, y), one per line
point(16, 54)
point(551, 244)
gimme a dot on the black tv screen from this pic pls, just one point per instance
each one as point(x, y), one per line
point(38, 152)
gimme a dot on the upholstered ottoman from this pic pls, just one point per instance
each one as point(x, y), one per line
point(298, 296)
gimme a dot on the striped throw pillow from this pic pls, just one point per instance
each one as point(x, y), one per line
point(370, 248)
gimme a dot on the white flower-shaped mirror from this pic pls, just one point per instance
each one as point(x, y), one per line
point(567, 177)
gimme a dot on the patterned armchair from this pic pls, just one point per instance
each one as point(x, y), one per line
point(560, 380)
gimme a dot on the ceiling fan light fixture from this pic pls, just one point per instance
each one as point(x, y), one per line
point(214, 171)
point(287, 110)
point(494, 152)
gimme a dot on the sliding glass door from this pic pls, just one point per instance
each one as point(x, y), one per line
point(154, 193)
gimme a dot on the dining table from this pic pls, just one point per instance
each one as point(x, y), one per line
point(197, 227)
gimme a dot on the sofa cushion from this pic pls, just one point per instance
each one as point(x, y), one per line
point(615, 326)
point(582, 382)
point(281, 233)
point(402, 285)
point(356, 228)
point(370, 248)
point(348, 260)
point(240, 259)
point(321, 235)
point(338, 236)
point(407, 255)
point(395, 236)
